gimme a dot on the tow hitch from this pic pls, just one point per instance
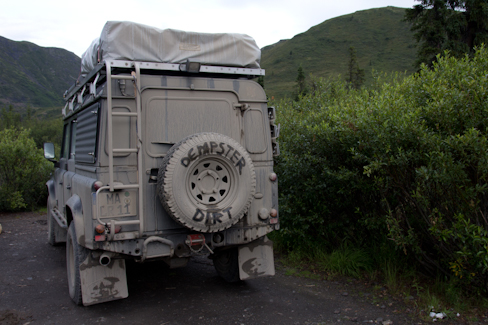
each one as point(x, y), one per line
point(197, 240)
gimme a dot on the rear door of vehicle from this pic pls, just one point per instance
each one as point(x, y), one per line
point(171, 115)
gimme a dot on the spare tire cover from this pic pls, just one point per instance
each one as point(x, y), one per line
point(206, 182)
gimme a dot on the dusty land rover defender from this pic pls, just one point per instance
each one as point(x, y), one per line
point(167, 153)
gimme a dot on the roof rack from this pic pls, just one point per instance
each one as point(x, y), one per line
point(183, 67)
point(92, 78)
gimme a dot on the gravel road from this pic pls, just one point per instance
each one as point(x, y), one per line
point(33, 290)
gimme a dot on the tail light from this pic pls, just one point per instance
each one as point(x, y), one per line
point(97, 185)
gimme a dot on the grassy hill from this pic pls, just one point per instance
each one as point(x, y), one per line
point(35, 75)
point(383, 42)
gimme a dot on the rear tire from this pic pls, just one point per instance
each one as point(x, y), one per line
point(75, 255)
point(206, 182)
point(226, 264)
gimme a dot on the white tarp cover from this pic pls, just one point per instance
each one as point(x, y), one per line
point(123, 40)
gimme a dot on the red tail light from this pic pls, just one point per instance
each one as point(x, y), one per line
point(97, 185)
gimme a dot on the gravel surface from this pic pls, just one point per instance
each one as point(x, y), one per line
point(33, 290)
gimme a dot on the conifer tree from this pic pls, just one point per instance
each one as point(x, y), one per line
point(454, 25)
point(355, 76)
point(301, 85)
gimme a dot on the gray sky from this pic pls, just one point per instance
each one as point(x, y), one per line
point(72, 25)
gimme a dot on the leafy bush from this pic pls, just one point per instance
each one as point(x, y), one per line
point(23, 171)
point(407, 161)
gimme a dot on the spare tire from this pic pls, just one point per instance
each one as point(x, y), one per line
point(206, 182)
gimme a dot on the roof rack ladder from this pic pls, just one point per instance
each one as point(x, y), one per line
point(135, 77)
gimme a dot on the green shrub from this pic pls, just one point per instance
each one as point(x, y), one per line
point(407, 160)
point(23, 171)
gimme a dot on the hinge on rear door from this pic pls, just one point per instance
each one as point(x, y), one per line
point(242, 107)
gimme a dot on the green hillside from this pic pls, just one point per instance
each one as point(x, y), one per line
point(35, 75)
point(39, 76)
point(383, 42)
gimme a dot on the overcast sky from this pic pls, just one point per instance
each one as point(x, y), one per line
point(72, 25)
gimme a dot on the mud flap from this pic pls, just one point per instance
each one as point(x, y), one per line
point(60, 234)
point(102, 283)
point(256, 259)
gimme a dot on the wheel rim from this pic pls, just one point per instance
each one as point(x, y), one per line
point(211, 181)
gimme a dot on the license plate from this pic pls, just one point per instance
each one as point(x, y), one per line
point(117, 204)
